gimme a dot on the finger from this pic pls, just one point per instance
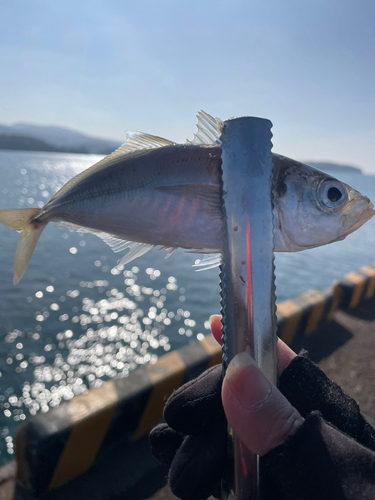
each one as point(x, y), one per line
point(284, 353)
point(198, 465)
point(215, 323)
point(259, 414)
point(164, 443)
point(197, 403)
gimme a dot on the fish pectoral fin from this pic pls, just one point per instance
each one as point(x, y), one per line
point(208, 193)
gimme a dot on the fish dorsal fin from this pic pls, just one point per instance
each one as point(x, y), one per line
point(208, 130)
point(135, 141)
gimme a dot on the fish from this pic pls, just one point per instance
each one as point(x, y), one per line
point(152, 192)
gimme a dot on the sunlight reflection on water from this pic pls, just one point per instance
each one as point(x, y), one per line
point(76, 319)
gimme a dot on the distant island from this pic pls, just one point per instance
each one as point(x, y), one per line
point(22, 143)
point(28, 137)
point(334, 167)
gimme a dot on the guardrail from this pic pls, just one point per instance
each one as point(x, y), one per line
point(54, 448)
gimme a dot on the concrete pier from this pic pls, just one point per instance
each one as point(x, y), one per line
point(345, 350)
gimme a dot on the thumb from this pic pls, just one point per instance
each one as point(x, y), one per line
point(258, 413)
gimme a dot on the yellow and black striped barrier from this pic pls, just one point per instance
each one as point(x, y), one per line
point(357, 287)
point(304, 315)
point(55, 447)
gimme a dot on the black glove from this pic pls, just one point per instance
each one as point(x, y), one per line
point(193, 442)
point(193, 445)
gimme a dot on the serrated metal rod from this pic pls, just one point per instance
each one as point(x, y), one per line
point(247, 274)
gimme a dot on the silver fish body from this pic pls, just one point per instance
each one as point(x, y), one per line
point(169, 196)
point(153, 192)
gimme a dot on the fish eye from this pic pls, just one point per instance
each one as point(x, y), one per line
point(332, 194)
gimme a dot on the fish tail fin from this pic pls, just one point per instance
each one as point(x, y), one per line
point(20, 219)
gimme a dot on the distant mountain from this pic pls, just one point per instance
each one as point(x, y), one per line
point(334, 167)
point(29, 137)
point(54, 138)
point(22, 143)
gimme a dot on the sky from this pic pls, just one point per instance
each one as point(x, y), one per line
point(106, 66)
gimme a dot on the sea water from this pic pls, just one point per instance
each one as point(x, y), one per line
point(76, 320)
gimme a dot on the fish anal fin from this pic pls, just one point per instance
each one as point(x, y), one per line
point(208, 262)
point(115, 243)
point(135, 250)
point(169, 250)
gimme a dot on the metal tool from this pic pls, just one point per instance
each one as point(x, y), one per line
point(247, 272)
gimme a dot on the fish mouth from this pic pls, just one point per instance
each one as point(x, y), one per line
point(366, 215)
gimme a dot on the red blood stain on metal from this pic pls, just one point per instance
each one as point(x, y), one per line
point(249, 281)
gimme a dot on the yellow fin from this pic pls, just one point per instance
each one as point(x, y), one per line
point(19, 220)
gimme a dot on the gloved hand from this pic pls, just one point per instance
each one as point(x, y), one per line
point(193, 443)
